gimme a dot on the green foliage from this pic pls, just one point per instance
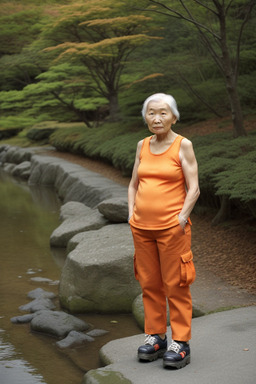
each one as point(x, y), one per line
point(18, 70)
point(95, 42)
point(247, 91)
point(240, 181)
point(15, 122)
point(18, 28)
point(112, 143)
point(98, 37)
point(61, 93)
point(227, 167)
point(36, 134)
point(63, 61)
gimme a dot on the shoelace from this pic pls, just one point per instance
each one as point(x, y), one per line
point(151, 340)
point(175, 347)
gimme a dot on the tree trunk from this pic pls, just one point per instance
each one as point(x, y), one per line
point(82, 115)
point(230, 78)
point(236, 110)
point(113, 107)
point(223, 212)
point(223, 61)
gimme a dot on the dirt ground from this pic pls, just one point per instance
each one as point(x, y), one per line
point(228, 250)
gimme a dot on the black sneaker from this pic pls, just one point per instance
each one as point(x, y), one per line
point(153, 348)
point(177, 356)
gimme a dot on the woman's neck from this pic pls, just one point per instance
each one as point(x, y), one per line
point(165, 137)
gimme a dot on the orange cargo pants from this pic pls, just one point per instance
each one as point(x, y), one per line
point(164, 267)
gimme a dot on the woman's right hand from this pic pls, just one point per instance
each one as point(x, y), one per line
point(129, 217)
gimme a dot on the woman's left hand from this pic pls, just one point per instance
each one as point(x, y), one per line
point(183, 221)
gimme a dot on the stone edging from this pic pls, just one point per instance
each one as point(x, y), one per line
point(71, 182)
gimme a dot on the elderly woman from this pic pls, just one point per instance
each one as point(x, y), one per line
point(161, 195)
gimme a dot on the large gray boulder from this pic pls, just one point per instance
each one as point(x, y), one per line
point(16, 155)
point(139, 315)
point(114, 209)
point(73, 209)
point(73, 243)
point(37, 305)
point(8, 167)
point(98, 274)
point(138, 312)
point(39, 293)
point(22, 170)
point(23, 319)
point(73, 182)
point(74, 339)
point(70, 181)
point(57, 323)
point(3, 150)
point(86, 221)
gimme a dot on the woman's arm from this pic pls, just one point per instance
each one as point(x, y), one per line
point(190, 171)
point(133, 185)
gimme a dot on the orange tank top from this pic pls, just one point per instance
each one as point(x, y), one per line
point(161, 190)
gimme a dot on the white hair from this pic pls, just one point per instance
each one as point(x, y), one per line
point(168, 99)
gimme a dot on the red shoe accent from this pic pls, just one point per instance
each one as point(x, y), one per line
point(183, 354)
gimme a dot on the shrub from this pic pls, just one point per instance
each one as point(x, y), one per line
point(35, 134)
point(227, 166)
point(110, 142)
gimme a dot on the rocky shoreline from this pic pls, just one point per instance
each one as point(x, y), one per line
point(98, 273)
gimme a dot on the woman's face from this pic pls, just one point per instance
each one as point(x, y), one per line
point(159, 117)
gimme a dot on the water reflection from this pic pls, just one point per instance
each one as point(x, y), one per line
point(44, 196)
point(26, 225)
point(28, 217)
point(13, 370)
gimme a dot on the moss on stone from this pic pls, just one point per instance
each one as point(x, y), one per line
point(101, 376)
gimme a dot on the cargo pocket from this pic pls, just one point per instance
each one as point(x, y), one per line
point(134, 267)
point(188, 272)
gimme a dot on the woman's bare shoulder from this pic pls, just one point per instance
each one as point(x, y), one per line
point(185, 141)
point(186, 144)
point(140, 143)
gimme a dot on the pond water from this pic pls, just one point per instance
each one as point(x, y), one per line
point(28, 217)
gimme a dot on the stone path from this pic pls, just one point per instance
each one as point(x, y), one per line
point(222, 351)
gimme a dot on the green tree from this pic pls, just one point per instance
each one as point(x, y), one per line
point(99, 35)
point(21, 69)
point(67, 86)
point(19, 26)
point(61, 92)
point(220, 25)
